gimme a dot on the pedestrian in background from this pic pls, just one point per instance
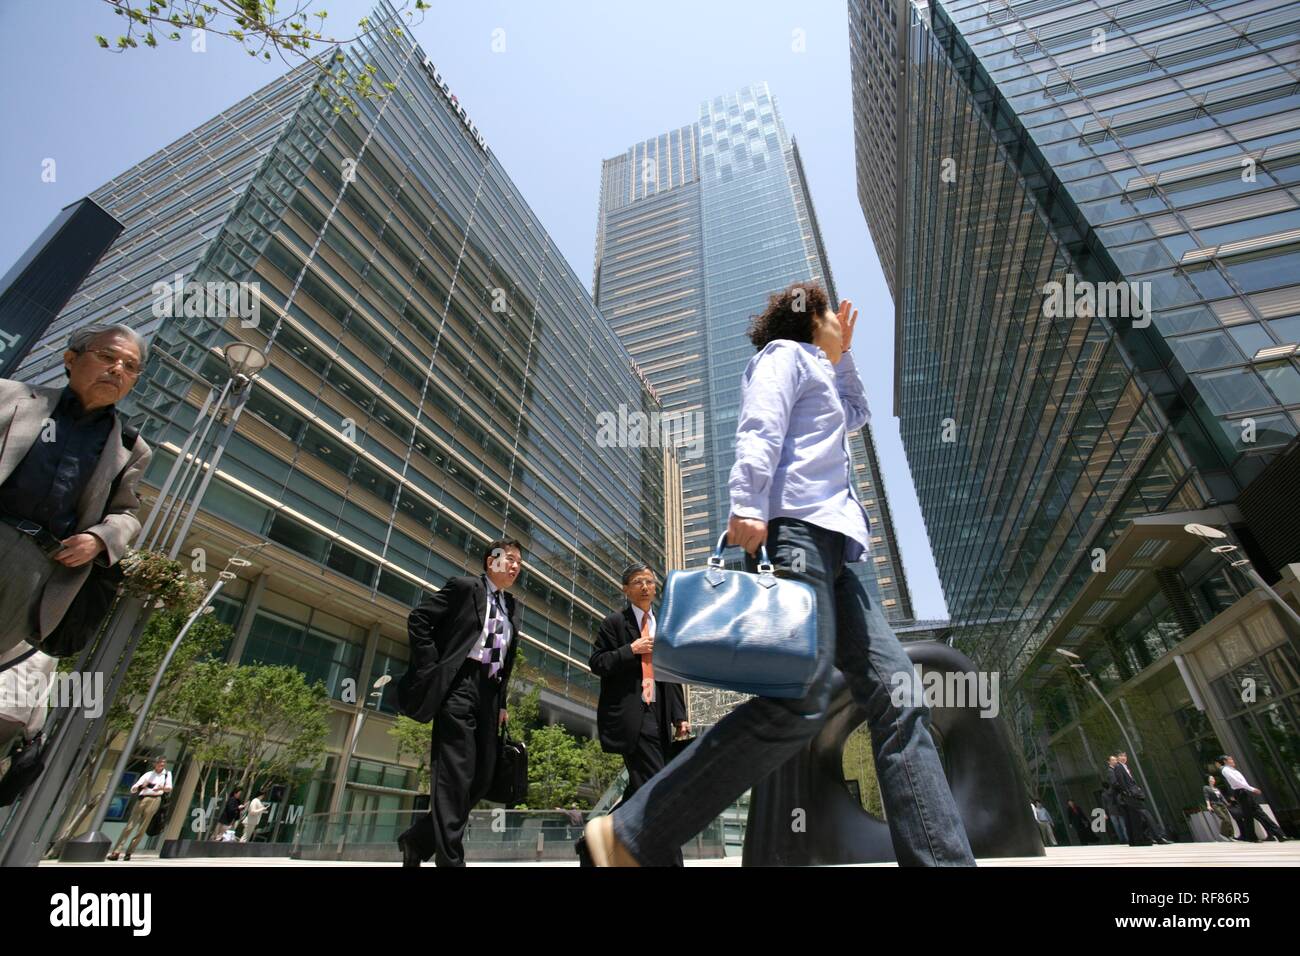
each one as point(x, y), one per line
point(148, 791)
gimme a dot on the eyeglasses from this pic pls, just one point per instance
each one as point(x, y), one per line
point(642, 583)
point(109, 358)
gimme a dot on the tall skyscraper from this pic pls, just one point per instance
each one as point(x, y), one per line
point(697, 227)
point(436, 377)
point(1092, 249)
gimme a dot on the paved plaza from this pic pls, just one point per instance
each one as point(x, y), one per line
point(1173, 855)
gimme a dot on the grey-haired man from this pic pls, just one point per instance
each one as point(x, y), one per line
point(68, 476)
point(637, 716)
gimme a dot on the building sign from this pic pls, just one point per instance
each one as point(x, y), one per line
point(441, 84)
point(645, 381)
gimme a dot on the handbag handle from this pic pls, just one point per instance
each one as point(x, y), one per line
point(765, 566)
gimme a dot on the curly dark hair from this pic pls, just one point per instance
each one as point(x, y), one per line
point(782, 320)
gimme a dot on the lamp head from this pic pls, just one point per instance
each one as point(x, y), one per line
point(243, 360)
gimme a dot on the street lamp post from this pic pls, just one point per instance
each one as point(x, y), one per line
point(1086, 677)
point(33, 822)
point(1225, 547)
point(377, 693)
point(178, 493)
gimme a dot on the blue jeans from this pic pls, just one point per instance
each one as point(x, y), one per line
point(763, 732)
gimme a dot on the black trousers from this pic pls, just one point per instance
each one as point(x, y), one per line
point(464, 751)
point(648, 757)
point(1141, 826)
point(1250, 812)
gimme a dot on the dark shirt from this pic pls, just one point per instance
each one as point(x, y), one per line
point(48, 482)
point(230, 812)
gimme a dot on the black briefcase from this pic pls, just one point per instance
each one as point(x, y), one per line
point(510, 778)
point(159, 821)
point(86, 614)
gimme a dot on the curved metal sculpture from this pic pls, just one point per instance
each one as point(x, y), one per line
point(981, 767)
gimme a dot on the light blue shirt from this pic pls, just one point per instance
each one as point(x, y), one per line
point(792, 447)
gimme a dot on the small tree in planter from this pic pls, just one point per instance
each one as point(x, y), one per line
point(161, 581)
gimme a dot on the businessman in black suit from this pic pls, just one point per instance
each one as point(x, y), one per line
point(637, 716)
point(463, 642)
point(1141, 826)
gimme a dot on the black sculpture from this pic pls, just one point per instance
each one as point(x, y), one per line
point(979, 761)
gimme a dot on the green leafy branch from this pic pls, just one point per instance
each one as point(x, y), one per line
point(261, 27)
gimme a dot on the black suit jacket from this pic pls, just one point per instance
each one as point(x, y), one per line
point(1126, 784)
point(442, 630)
point(619, 710)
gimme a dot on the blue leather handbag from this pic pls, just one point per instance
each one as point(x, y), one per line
point(753, 633)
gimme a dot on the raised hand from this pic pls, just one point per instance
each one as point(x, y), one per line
point(848, 317)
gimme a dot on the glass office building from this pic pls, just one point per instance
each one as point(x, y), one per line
point(436, 372)
point(1147, 147)
point(697, 227)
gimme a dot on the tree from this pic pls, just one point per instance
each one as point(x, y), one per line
point(556, 767)
point(242, 723)
point(261, 28)
point(525, 712)
point(201, 707)
point(281, 723)
point(204, 639)
point(600, 769)
point(414, 739)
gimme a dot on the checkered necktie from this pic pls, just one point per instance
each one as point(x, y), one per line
point(494, 641)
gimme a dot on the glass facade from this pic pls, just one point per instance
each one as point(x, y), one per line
point(435, 372)
point(698, 226)
point(1056, 141)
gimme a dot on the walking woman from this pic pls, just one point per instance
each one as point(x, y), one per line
point(1217, 804)
point(801, 397)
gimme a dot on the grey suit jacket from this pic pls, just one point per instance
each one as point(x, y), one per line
point(23, 412)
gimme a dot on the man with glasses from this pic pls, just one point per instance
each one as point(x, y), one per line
point(463, 641)
point(637, 716)
point(68, 472)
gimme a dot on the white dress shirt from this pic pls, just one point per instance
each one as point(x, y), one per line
point(1235, 779)
point(153, 784)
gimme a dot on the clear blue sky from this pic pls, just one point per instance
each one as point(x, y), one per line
point(577, 82)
